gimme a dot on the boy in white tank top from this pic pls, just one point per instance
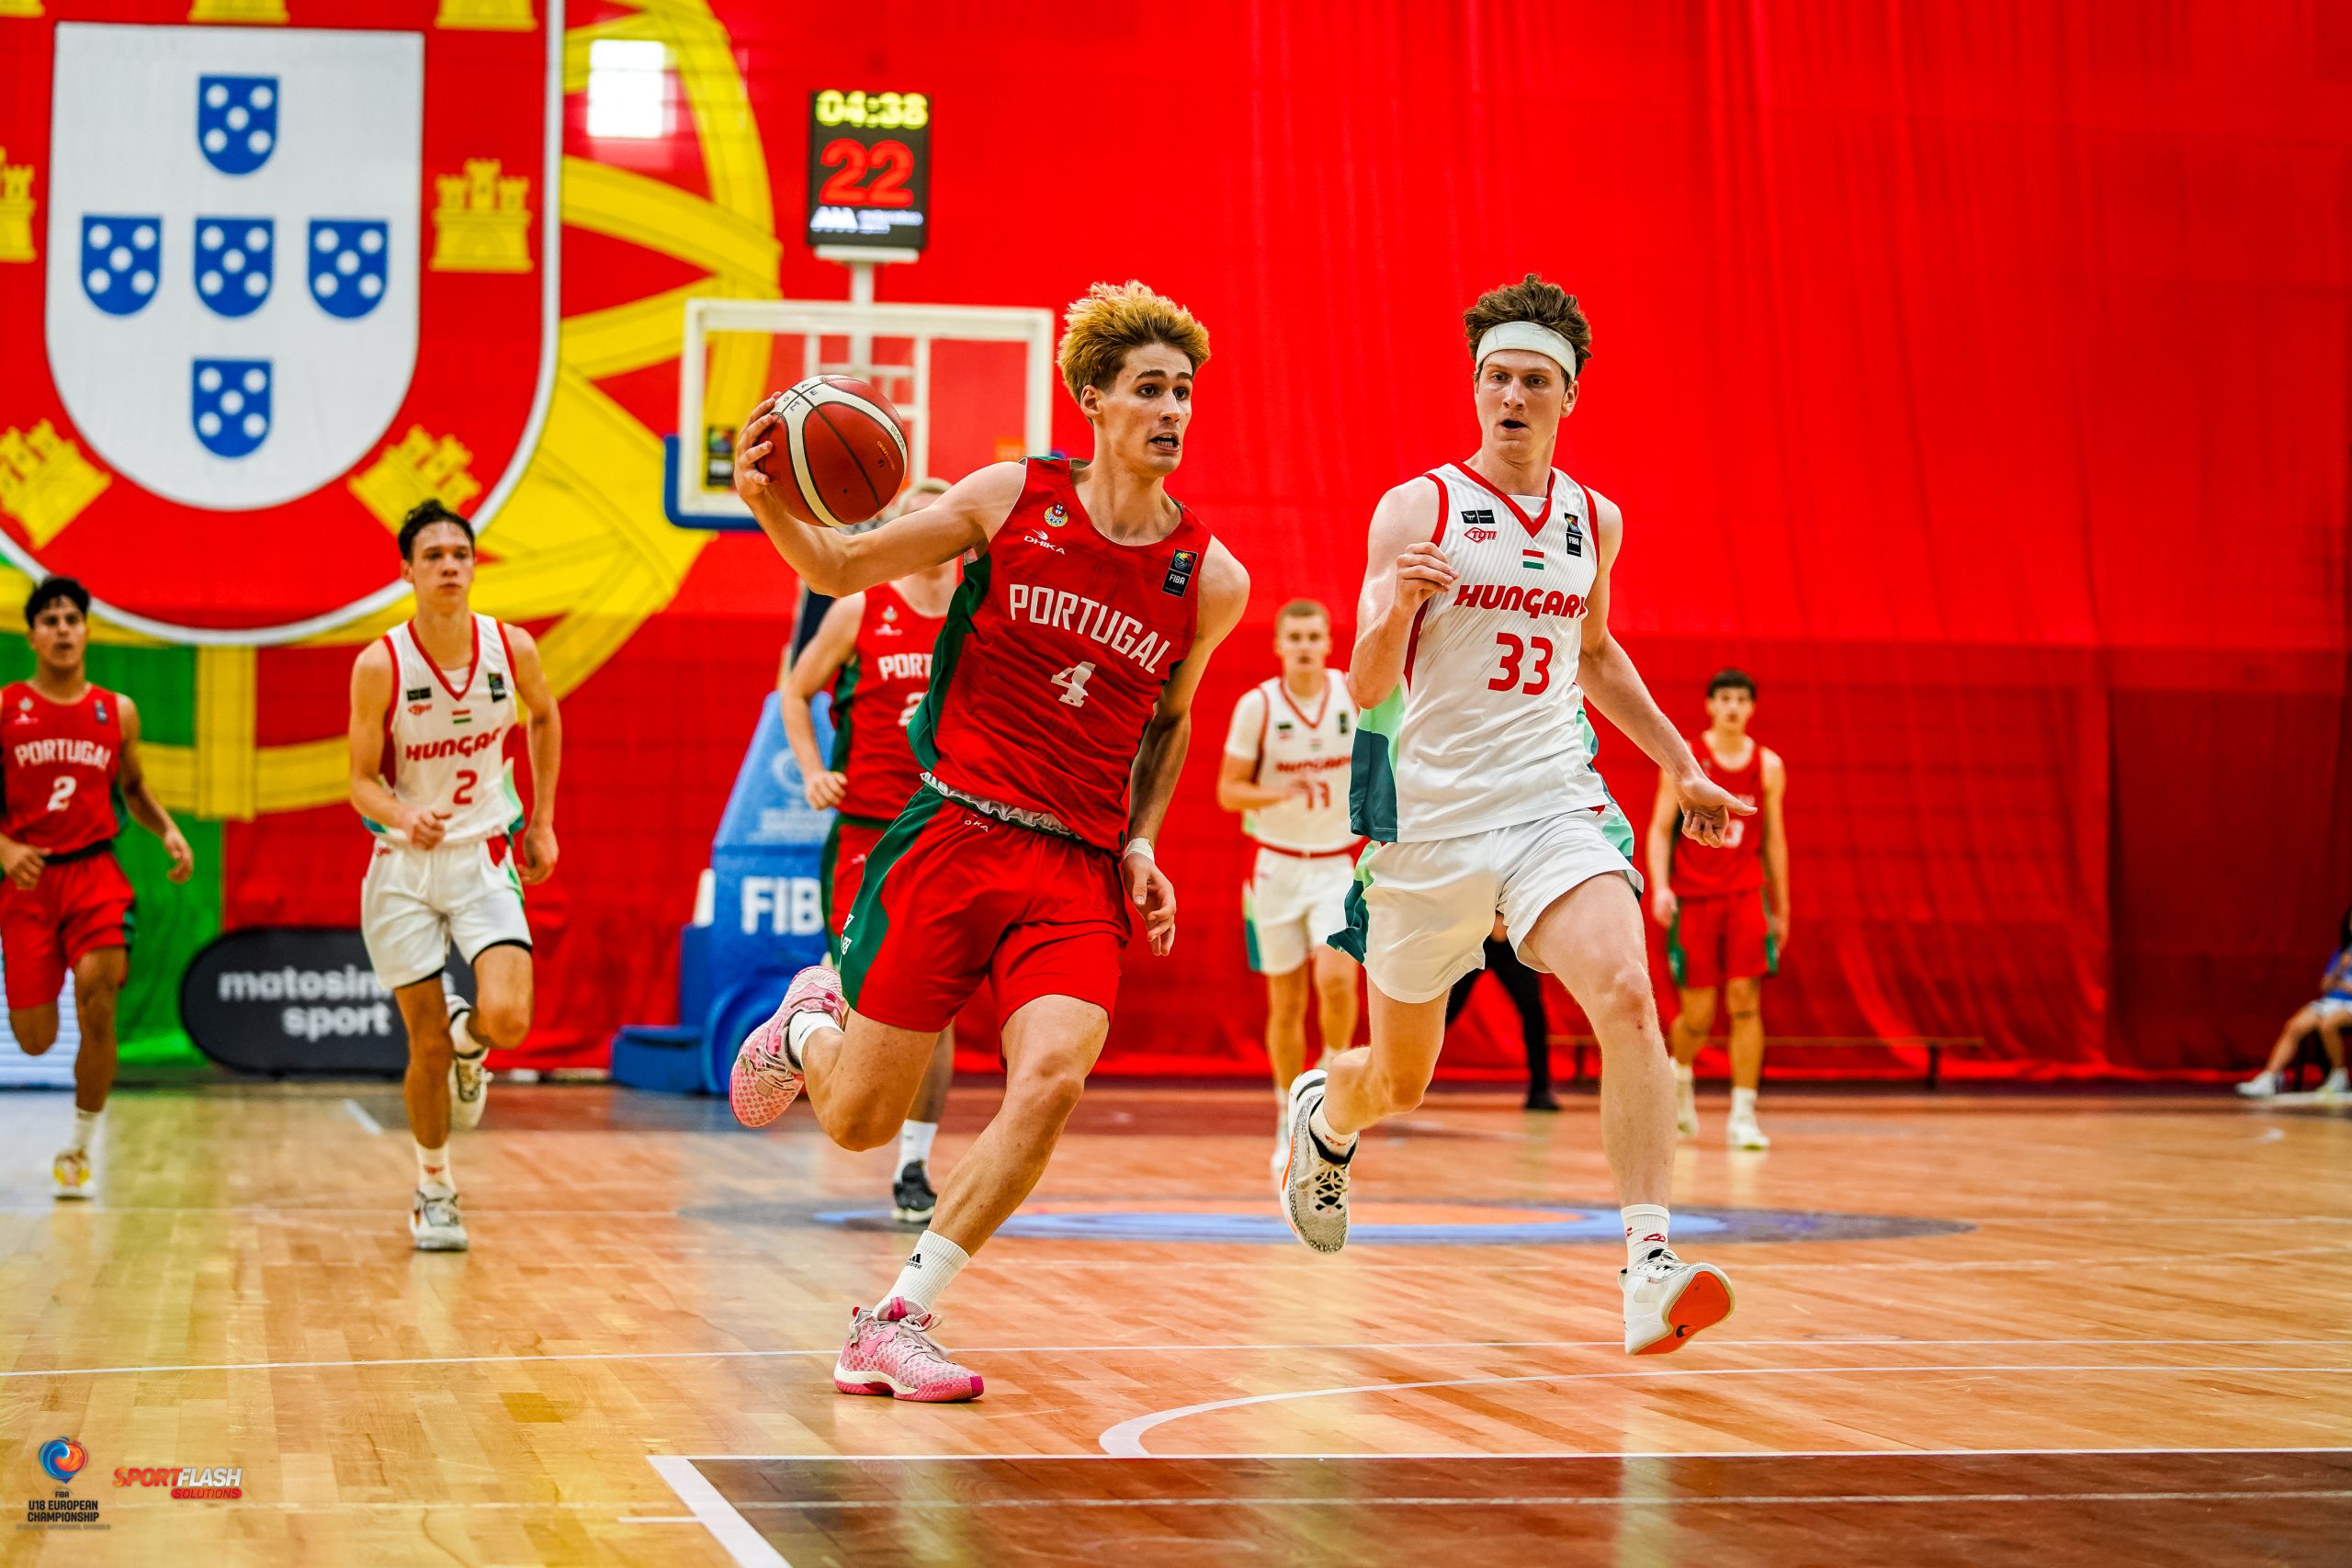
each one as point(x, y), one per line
point(432, 703)
point(1286, 767)
point(1483, 629)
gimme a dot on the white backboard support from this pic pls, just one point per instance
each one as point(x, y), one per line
point(974, 383)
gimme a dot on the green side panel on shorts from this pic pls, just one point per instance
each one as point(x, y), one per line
point(170, 922)
point(1677, 958)
point(845, 688)
point(1250, 928)
point(827, 859)
point(1372, 773)
point(1614, 825)
point(970, 594)
point(869, 924)
point(1772, 943)
point(1356, 935)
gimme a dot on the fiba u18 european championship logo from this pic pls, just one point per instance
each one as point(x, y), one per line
point(274, 271)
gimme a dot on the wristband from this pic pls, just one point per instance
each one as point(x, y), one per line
point(1140, 847)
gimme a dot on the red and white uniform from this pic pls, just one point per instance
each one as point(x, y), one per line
point(1719, 927)
point(446, 748)
point(60, 762)
point(875, 694)
point(1005, 865)
point(1297, 892)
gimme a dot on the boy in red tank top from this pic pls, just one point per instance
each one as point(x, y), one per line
point(1056, 725)
point(873, 649)
point(67, 748)
point(1725, 907)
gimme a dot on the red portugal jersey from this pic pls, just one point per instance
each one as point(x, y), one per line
point(61, 760)
point(874, 697)
point(1053, 660)
point(1701, 871)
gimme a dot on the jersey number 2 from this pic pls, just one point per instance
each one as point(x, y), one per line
point(61, 791)
point(467, 779)
point(1515, 652)
point(1072, 682)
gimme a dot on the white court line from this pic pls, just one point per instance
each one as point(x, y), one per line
point(901, 1504)
point(1177, 1350)
point(360, 1114)
point(730, 1529)
point(1125, 1439)
point(1481, 1455)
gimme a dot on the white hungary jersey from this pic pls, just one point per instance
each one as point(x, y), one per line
point(445, 739)
point(1488, 727)
point(1302, 746)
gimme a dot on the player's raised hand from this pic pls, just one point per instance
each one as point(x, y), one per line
point(24, 864)
point(1151, 892)
point(182, 857)
point(1708, 809)
point(536, 862)
point(1421, 572)
point(751, 446)
point(825, 789)
point(424, 828)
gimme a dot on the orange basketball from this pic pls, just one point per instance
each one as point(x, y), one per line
point(841, 453)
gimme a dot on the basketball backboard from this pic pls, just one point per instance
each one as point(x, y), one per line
point(974, 384)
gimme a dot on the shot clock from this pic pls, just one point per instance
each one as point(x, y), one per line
point(869, 170)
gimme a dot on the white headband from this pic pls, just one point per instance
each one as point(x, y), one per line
point(1537, 340)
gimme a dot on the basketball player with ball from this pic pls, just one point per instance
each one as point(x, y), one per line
point(67, 748)
point(1056, 725)
point(1482, 630)
point(432, 706)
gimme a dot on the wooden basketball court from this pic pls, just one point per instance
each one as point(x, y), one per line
point(2044, 1329)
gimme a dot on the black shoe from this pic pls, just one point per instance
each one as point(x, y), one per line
point(1541, 1100)
point(913, 1194)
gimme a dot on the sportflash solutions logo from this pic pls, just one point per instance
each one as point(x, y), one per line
point(188, 1482)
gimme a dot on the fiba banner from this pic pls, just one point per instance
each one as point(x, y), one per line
point(264, 264)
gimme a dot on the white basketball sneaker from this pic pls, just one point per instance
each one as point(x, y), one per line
point(2336, 1085)
point(1314, 1183)
point(1667, 1300)
point(75, 1174)
point(2262, 1086)
point(469, 1077)
point(1742, 1132)
point(1686, 1100)
point(434, 1223)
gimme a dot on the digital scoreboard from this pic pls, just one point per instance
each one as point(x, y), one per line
point(869, 170)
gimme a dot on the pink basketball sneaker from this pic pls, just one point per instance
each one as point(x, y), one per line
point(764, 1081)
point(890, 1351)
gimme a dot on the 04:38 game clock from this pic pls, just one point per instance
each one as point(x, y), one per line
point(869, 170)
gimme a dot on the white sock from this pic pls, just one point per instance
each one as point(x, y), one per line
point(432, 1166)
point(914, 1142)
point(1322, 1129)
point(800, 1027)
point(86, 1127)
point(1743, 1102)
point(931, 1268)
point(462, 1038)
point(1645, 1229)
point(1686, 1073)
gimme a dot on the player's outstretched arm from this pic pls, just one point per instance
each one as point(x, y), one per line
point(373, 682)
point(138, 797)
point(1159, 759)
point(837, 563)
point(811, 674)
point(1615, 687)
point(545, 738)
point(1403, 571)
point(1659, 848)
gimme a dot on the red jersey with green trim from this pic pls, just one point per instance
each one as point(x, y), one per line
point(874, 697)
point(1053, 658)
point(1703, 871)
point(60, 761)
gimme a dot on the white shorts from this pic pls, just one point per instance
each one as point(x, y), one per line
point(1428, 907)
point(2335, 1009)
point(414, 903)
point(1291, 903)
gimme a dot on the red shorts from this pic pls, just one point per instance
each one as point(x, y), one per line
point(847, 844)
point(952, 898)
point(76, 908)
point(1719, 937)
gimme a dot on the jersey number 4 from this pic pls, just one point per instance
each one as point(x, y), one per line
point(1515, 652)
point(1072, 682)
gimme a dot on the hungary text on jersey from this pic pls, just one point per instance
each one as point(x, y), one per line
point(1052, 661)
point(1302, 747)
point(62, 762)
point(446, 735)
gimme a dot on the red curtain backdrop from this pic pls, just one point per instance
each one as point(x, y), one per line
point(1974, 374)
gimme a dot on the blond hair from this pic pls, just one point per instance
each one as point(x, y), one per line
point(1300, 609)
point(1115, 318)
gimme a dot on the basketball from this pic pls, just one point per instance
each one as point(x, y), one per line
point(840, 452)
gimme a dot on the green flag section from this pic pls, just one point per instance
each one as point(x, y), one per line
point(170, 923)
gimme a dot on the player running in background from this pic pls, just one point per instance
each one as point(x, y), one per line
point(1286, 770)
point(1725, 907)
point(1060, 710)
point(1482, 628)
point(874, 651)
point(432, 705)
point(65, 748)
point(2330, 1016)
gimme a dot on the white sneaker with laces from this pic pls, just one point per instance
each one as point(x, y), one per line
point(2262, 1086)
point(1314, 1185)
point(1667, 1300)
point(434, 1223)
point(75, 1174)
point(2336, 1085)
point(469, 1078)
point(1742, 1132)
